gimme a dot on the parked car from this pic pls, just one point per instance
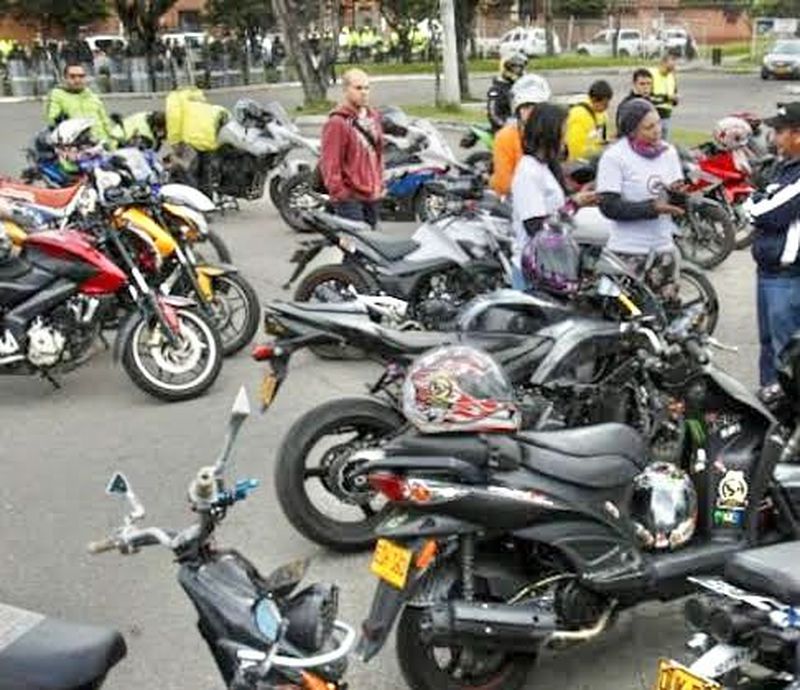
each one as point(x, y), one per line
point(488, 46)
point(783, 60)
point(186, 39)
point(630, 44)
point(105, 42)
point(531, 41)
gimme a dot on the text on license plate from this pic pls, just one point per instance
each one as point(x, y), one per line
point(391, 562)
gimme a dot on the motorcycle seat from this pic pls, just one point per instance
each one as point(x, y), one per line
point(601, 456)
point(39, 653)
point(332, 222)
point(478, 450)
point(387, 246)
point(770, 571)
point(41, 196)
point(413, 342)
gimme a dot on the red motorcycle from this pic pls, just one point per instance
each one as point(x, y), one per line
point(56, 295)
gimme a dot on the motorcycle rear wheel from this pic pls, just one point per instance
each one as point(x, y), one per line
point(695, 287)
point(236, 311)
point(293, 197)
point(371, 420)
point(708, 236)
point(331, 283)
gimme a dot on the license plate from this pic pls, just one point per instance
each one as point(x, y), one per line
point(782, 70)
point(673, 676)
point(391, 562)
point(269, 385)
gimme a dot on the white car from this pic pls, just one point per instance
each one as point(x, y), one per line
point(531, 42)
point(186, 39)
point(105, 41)
point(630, 44)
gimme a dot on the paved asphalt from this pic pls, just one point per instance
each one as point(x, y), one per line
point(59, 448)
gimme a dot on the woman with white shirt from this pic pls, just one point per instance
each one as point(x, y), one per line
point(536, 190)
point(633, 178)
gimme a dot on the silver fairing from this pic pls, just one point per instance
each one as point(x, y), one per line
point(434, 243)
point(185, 195)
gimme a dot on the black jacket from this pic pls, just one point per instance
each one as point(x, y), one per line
point(773, 213)
point(498, 103)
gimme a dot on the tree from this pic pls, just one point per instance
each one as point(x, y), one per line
point(295, 18)
point(466, 13)
point(141, 21)
point(580, 8)
point(58, 15)
point(404, 15)
point(246, 18)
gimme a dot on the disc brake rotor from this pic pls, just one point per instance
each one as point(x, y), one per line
point(337, 462)
point(176, 360)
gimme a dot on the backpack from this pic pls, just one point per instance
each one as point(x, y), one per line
point(317, 180)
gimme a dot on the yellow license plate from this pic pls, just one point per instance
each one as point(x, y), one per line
point(673, 676)
point(269, 385)
point(391, 562)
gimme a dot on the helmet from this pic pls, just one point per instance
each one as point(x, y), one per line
point(530, 89)
point(663, 506)
point(513, 66)
point(76, 131)
point(458, 388)
point(732, 133)
point(551, 260)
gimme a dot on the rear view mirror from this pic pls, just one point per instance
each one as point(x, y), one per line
point(118, 486)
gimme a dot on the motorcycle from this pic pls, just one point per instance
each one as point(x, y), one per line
point(480, 161)
point(54, 299)
point(419, 157)
point(746, 625)
point(261, 631)
point(434, 273)
point(501, 546)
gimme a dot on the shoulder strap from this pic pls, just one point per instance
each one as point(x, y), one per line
point(354, 122)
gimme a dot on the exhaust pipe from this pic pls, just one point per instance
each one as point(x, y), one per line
point(511, 627)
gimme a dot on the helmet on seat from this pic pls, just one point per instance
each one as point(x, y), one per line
point(663, 506)
point(732, 133)
point(459, 388)
point(530, 90)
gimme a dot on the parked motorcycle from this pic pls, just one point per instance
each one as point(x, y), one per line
point(261, 631)
point(480, 161)
point(55, 297)
point(503, 545)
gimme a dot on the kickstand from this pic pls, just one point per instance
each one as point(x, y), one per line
point(53, 382)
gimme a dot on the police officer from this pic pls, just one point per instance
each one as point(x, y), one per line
point(776, 218)
point(664, 95)
point(498, 99)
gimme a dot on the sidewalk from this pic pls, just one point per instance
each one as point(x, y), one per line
point(695, 66)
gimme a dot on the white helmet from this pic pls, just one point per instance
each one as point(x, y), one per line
point(530, 90)
point(732, 133)
point(76, 131)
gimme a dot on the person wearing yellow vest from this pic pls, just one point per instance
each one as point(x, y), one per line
point(587, 123)
point(665, 89)
point(147, 129)
point(75, 99)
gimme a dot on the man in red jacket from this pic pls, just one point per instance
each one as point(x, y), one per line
point(351, 163)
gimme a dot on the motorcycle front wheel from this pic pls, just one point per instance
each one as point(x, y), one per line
point(695, 288)
point(296, 195)
point(236, 311)
point(173, 373)
point(708, 236)
point(310, 474)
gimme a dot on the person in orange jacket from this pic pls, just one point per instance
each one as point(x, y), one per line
point(528, 92)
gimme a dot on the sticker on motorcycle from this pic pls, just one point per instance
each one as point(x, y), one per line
point(733, 490)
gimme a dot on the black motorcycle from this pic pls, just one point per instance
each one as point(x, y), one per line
point(261, 631)
point(501, 545)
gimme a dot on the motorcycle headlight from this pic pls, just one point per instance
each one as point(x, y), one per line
point(268, 620)
point(311, 615)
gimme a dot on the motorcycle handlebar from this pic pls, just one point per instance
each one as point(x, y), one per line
point(696, 351)
point(133, 539)
point(101, 546)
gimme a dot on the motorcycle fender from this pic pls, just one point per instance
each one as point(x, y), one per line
point(206, 272)
point(162, 239)
point(124, 332)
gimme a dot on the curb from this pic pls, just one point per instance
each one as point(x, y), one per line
point(571, 71)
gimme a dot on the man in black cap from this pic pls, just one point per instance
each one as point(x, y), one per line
point(776, 218)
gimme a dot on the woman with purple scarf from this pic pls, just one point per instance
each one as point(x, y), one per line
point(633, 178)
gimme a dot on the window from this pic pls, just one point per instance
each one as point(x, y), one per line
point(602, 37)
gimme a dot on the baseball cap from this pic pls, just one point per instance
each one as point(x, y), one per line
point(788, 116)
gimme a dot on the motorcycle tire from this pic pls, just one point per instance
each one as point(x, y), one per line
point(291, 191)
point(212, 249)
point(235, 333)
point(275, 184)
point(422, 670)
point(360, 414)
point(340, 276)
point(706, 293)
point(724, 237)
point(481, 162)
point(206, 346)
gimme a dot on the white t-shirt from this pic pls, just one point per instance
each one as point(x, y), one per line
point(636, 178)
point(535, 192)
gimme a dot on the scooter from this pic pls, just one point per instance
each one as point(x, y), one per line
point(261, 631)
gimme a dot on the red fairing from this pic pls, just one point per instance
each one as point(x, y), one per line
point(41, 196)
point(723, 166)
point(70, 244)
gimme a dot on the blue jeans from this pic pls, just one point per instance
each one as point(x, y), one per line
point(518, 281)
point(364, 211)
point(778, 319)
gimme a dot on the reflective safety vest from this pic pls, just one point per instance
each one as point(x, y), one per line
point(665, 88)
point(136, 125)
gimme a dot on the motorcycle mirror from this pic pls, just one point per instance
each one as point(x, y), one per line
point(120, 486)
point(239, 412)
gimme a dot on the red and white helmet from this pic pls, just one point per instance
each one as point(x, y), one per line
point(732, 133)
point(458, 388)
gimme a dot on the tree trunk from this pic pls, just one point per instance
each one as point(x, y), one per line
point(315, 87)
point(548, 28)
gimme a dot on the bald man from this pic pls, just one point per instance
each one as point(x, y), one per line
point(351, 162)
